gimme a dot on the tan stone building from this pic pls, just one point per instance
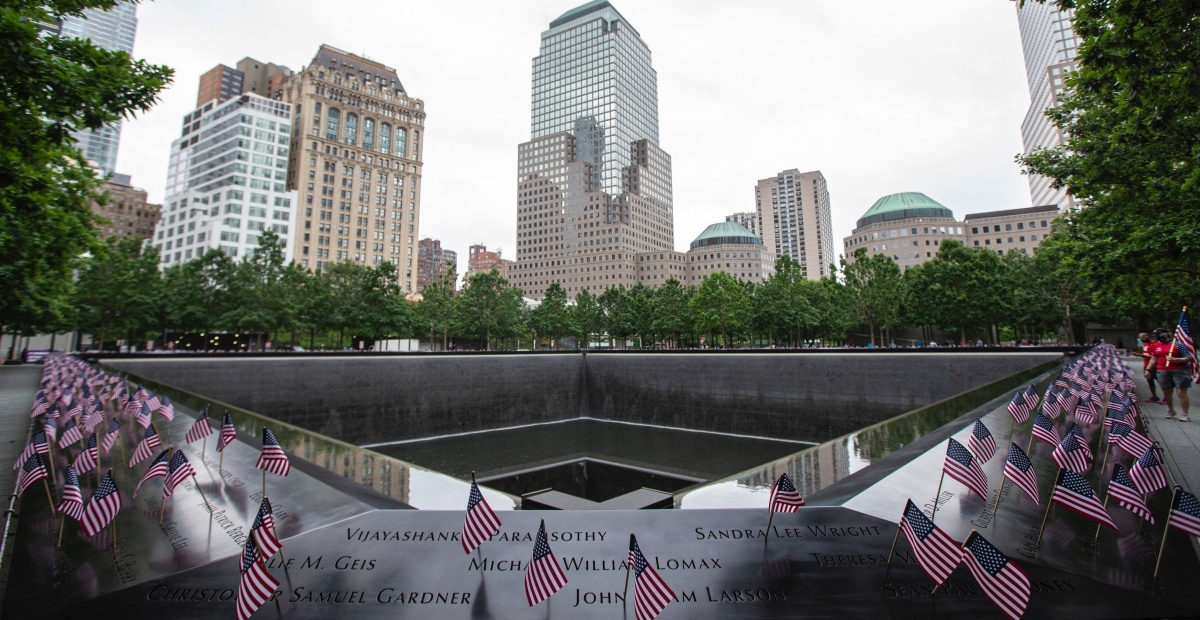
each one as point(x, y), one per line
point(1014, 230)
point(127, 212)
point(356, 162)
point(728, 247)
point(795, 219)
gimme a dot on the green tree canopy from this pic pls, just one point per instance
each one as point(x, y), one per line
point(720, 305)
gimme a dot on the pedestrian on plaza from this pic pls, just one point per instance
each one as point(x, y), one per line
point(1148, 369)
point(1171, 363)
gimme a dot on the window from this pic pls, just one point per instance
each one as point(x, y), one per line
point(401, 141)
point(368, 133)
point(331, 125)
point(1008, 227)
point(385, 139)
point(351, 129)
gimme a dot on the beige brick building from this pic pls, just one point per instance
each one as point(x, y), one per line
point(356, 162)
point(728, 247)
point(795, 219)
point(127, 212)
point(1014, 230)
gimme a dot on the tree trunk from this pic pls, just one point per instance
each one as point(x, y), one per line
point(12, 347)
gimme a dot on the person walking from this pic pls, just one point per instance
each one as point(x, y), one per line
point(1171, 363)
point(1148, 366)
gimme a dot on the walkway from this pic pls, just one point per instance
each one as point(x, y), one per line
point(1179, 441)
point(18, 384)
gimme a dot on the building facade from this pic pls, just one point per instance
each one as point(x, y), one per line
point(222, 83)
point(795, 219)
point(594, 188)
point(113, 30)
point(728, 247)
point(748, 219)
point(433, 262)
point(356, 159)
point(126, 210)
point(910, 228)
point(1050, 47)
point(480, 259)
point(226, 181)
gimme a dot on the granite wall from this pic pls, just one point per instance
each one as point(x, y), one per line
point(389, 398)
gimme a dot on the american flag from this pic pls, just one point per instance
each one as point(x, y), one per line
point(167, 410)
point(1069, 454)
point(1185, 512)
point(937, 553)
point(1019, 407)
point(272, 458)
point(1062, 381)
point(40, 405)
point(651, 594)
point(1085, 411)
point(981, 443)
point(144, 414)
point(961, 466)
point(1031, 397)
point(110, 437)
point(141, 395)
point(132, 407)
point(178, 471)
point(72, 500)
point(1130, 440)
point(1083, 442)
point(33, 470)
point(37, 445)
point(784, 496)
point(1121, 489)
point(158, 469)
point(1051, 405)
point(51, 429)
point(1147, 472)
point(481, 522)
point(1183, 341)
point(1018, 469)
point(146, 447)
point(1043, 428)
point(1074, 492)
point(543, 576)
point(263, 530)
point(1004, 583)
point(1096, 399)
point(228, 432)
point(1115, 412)
point(90, 457)
point(70, 434)
point(200, 429)
point(256, 585)
point(104, 506)
point(154, 402)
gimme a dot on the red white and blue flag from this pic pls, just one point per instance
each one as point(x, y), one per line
point(158, 469)
point(178, 471)
point(1130, 440)
point(1043, 428)
point(70, 434)
point(1004, 583)
point(1185, 512)
point(1019, 408)
point(90, 457)
point(228, 432)
point(1085, 411)
point(167, 410)
point(33, 470)
point(481, 522)
point(263, 530)
point(543, 576)
point(1083, 442)
point(1051, 405)
point(144, 415)
point(981, 443)
point(651, 594)
point(111, 436)
point(1020, 470)
point(937, 553)
point(72, 500)
point(784, 496)
point(1121, 489)
point(1183, 341)
point(256, 584)
point(105, 504)
point(200, 429)
point(272, 457)
point(961, 466)
point(1069, 454)
point(40, 405)
point(1147, 472)
point(1031, 397)
point(1074, 492)
point(146, 447)
point(37, 445)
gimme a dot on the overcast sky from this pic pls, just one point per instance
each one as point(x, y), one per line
point(881, 96)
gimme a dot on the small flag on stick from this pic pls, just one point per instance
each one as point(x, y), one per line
point(272, 457)
point(981, 443)
point(543, 575)
point(481, 522)
point(105, 504)
point(961, 466)
point(937, 553)
point(651, 594)
point(1004, 583)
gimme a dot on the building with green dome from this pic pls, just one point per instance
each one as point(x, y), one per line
point(724, 246)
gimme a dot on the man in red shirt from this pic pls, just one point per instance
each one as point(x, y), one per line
point(1148, 368)
point(1171, 362)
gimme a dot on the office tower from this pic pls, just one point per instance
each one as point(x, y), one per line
point(112, 30)
point(226, 180)
point(593, 186)
point(433, 262)
point(127, 212)
point(794, 213)
point(749, 220)
point(1050, 46)
point(356, 163)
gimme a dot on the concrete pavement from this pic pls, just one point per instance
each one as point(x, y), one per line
point(18, 384)
point(1179, 441)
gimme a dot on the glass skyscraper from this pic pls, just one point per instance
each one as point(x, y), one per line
point(112, 30)
point(594, 188)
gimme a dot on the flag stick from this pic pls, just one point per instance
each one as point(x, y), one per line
point(264, 491)
point(1103, 464)
point(50, 457)
point(1049, 505)
point(203, 447)
point(998, 494)
point(895, 540)
point(50, 497)
point(768, 536)
point(1166, 530)
point(114, 535)
point(196, 481)
point(121, 444)
point(626, 592)
point(221, 465)
point(1029, 448)
point(937, 498)
point(1170, 354)
point(1011, 423)
point(61, 526)
point(162, 506)
point(1097, 540)
point(933, 593)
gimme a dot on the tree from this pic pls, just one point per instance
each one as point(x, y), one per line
point(587, 317)
point(437, 307)
point(196, 294)
point(720, 305)
point(263, 304)
point(551, 318)
point(488, 307)
point(962, 288)
point(641, 312)
point(876, 289)
point(1131, 113)
point(118, 290)
point(617, 317)
point(49, 87)
point(672, 319)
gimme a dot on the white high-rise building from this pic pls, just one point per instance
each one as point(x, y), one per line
point(795, 219)
point(1050, 47)
point(226, 180)
point(112, 30)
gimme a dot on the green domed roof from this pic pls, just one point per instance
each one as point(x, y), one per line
point(725, 232)
point(903, 206)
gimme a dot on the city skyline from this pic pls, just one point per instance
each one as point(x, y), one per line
point(941, 118)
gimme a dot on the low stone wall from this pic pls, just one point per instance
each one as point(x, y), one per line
point(391, 398)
